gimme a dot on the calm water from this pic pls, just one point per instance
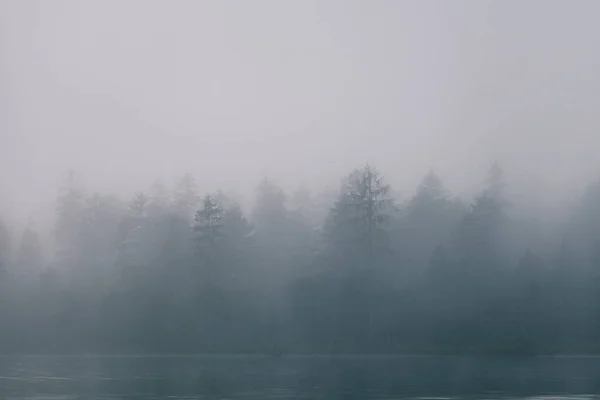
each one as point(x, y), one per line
point(267, 378)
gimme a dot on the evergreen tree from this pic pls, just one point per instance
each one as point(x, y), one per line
point(98, 237)
point(270, 213)
point(429, 221)
point(29, 260)
point(208, 224)
point(273, 235)
point(480, 233)
point(430, 191)
point(132, 228)
point(359, 222)
point(70, 211)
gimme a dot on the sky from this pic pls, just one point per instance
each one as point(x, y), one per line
point(128, 91)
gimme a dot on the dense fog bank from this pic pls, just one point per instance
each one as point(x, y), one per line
point(170, 271)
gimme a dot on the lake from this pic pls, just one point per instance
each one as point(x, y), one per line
point(298, 377)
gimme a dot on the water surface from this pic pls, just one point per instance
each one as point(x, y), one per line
point(298, 377)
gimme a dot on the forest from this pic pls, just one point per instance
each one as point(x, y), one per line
point(359, 271)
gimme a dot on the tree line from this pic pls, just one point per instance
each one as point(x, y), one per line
point(170, 271)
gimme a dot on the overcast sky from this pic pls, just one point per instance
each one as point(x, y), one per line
point(126, 91)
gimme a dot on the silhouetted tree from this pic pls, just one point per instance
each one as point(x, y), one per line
point(359, 222)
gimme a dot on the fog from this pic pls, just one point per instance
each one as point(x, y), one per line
point(467, 129)
point(128, 92)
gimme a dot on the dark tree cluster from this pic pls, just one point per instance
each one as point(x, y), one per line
point(171, 271)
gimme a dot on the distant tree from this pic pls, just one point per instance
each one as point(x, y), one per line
point(357, 257)
point(479, 261)
point(208, 224)
point(430, 190)
point(172, 238)
point(305, 223)
point(185, 196)
point(132, 228)
point(270, 213)
point(429, 221)
point(70, 211)
point(359, 221)
point(481, 233)
point(29, 258)
point(222, 237)
point(99, 232)
point(274, 236)
point(236, 228)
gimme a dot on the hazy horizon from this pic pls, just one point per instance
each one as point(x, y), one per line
point(303, 92)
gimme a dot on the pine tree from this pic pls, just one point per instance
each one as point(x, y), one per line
point(480, 231)
point(208, 224)
point(428, 221)
point(430, 190)
point(131, 231)
point(98, 241)
point(359, 221)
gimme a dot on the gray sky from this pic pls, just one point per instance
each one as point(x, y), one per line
point(126, 91)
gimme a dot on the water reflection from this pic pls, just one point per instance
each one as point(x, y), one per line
point(346, 378)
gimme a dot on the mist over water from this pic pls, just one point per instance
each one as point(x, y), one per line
point(308, 178)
